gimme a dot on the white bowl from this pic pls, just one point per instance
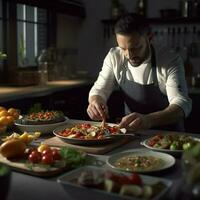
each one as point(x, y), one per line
point(43, 128)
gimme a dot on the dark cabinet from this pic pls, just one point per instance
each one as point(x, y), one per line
point(73, 102)
point(24, 104)
point(192, 121)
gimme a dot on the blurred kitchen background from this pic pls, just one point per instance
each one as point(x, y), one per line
point(53, 40)
point(73, 36)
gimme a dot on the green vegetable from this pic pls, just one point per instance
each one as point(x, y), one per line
point(174, 146)
point(73, 157)
point(195, 151)
point(187, 146)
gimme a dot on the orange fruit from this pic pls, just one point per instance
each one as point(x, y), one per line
point(13, 112)
point(3, 113)
point(10, 120)
point(2, 108)
point(16, 115)
point(3, 121)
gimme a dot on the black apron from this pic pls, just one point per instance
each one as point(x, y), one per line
point(146, 99)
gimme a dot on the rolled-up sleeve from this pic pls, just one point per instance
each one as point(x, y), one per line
point(176, 87)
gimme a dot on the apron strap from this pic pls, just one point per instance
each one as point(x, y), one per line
point(153, 66)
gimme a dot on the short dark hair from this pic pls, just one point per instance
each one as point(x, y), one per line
point(130, 23)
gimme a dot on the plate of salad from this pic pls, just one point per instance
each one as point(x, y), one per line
point(89, 132)
point(173, 144)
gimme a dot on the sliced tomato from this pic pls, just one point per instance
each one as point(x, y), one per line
point(135, 179)
point(113, 129)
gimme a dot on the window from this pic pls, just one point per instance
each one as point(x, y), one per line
point(31, 34)
point(27, 27)
point(1, 29)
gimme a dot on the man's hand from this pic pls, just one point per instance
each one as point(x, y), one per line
point(97, 108)
point(135, 122)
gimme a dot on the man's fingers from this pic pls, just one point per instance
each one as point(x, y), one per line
point(93, 112)
point(127, 120)
point(135, 124)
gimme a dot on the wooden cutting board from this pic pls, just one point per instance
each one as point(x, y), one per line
point(21, 165)
point(94, 149)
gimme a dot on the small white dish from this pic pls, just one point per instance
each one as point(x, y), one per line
point(75, 191)
point(44, 128)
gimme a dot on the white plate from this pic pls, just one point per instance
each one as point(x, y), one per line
point(75, 191)
point(167, 160)
point(43, 128)
point(72, 123)
point(169, 151)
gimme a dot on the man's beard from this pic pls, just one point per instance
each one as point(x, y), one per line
point(137, 61)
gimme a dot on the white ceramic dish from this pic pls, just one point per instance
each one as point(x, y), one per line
point(167, 160)
point(75, 191)
point(176, 153)
point(44, 128)
point(71, 123)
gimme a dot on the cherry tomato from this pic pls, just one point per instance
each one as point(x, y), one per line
point(135, 179)
point(113, 129)
point(30, 150)
point(56, 154)
point(47, 159)
point(34, 157)
point(85, 126)
point(46, 152)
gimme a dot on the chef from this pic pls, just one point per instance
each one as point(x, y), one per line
point(151, 80)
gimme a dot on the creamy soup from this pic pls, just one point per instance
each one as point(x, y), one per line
point(139, 163)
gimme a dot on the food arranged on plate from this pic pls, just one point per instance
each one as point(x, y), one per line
point(171, 142)
point(14, 145)
point(57, 157)
point(107, 182)
point(126, 185)
point(25, 137)
point(43, 117)
point(88, 131)
point(138, 163)
point(141, 160)
point(7, 117)
point(43, 160)
point(44, 121)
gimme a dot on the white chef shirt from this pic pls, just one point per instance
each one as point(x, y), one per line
point(170, 75)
